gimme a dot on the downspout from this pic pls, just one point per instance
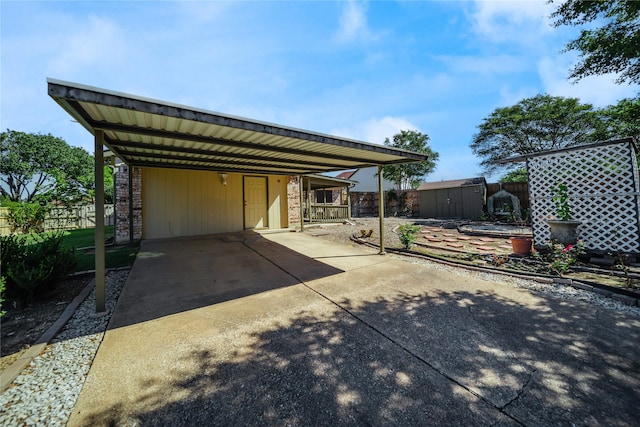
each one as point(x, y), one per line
point(99, 232)
point(381, 209)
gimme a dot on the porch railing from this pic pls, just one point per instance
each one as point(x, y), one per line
point(328, 213)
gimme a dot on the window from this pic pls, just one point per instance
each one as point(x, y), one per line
point(324, 196)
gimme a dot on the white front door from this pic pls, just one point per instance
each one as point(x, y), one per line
point(255, 202)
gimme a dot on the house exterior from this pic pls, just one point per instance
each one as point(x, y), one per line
point(192, 171)
point(366, 180)
point(460, 198)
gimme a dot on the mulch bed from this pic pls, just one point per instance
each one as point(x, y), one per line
point(22, 326)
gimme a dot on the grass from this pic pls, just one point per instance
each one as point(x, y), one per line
point(83, 238)
point(115, 256)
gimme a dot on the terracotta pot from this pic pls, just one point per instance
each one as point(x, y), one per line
point(521, 245)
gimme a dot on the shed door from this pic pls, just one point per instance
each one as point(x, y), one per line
point(255, 202)
point(448, 199)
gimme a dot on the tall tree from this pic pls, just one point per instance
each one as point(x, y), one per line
point(409, 175)
point(535, 124)
point(613, 46)
point(36, 167)
point(623, 118)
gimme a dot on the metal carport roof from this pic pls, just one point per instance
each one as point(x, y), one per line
point(148, 132)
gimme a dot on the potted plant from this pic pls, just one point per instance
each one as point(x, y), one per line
point(563, 229)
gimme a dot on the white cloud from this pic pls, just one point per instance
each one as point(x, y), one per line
point(597, 90)
point(522, 21)
point(200, 12)
point(97, 42)
point(353, 22)
point(511, 96)
point(376, 130)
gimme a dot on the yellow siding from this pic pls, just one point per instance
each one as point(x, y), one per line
point(189, 203)
point(278, 214)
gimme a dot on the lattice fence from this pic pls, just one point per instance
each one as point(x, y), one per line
point(603, 194)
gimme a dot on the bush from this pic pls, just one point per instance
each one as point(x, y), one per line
point(32, 269)
point(26, 217)
point(560, 257)
point(407, 234)
point(2, 288)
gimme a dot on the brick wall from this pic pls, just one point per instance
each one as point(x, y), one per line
point(293, 201)
point(122, 204)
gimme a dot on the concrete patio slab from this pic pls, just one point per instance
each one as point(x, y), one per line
point(301, 331)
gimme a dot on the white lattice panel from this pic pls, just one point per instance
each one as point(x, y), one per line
point(603, 191)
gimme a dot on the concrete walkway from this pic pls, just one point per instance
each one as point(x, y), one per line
point(288, 329)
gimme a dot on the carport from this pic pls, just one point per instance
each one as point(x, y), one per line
point(145, 132)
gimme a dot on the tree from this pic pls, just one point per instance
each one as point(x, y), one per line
point(409, 175)
point(612, 47)
point(518, 175)
point(535, 124)
point(40, 168)
point(622, 119)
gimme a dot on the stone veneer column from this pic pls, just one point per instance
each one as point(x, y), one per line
point(293, 202)
point(122, 204)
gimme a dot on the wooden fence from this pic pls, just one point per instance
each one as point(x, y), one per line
point(366, 204)
point(64, 218)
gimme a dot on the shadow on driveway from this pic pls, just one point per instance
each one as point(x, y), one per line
point(385, 343)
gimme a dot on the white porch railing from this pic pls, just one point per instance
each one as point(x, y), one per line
point(328, 213)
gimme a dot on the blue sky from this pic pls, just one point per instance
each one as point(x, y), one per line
point(363, 70)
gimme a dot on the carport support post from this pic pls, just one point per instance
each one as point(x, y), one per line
point(301, 187)
point(99, 234)
point(130, 172)
point(381, 208)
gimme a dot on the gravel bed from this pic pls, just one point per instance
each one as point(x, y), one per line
point(556, 290)
point(343, 232)
point(45, 391)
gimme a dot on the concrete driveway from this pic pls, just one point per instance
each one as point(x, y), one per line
point(288, 329)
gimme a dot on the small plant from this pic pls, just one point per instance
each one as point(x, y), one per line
point(407, 234)
point(622, 264)
point(561, 257)
point(499, 260)
point(561, 199)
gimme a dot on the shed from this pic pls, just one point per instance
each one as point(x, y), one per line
point(459, 198)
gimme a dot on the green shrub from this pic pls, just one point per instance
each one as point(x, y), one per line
point(2, 288)
point(26, 217)
point(407, 234)
point(32, 269)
